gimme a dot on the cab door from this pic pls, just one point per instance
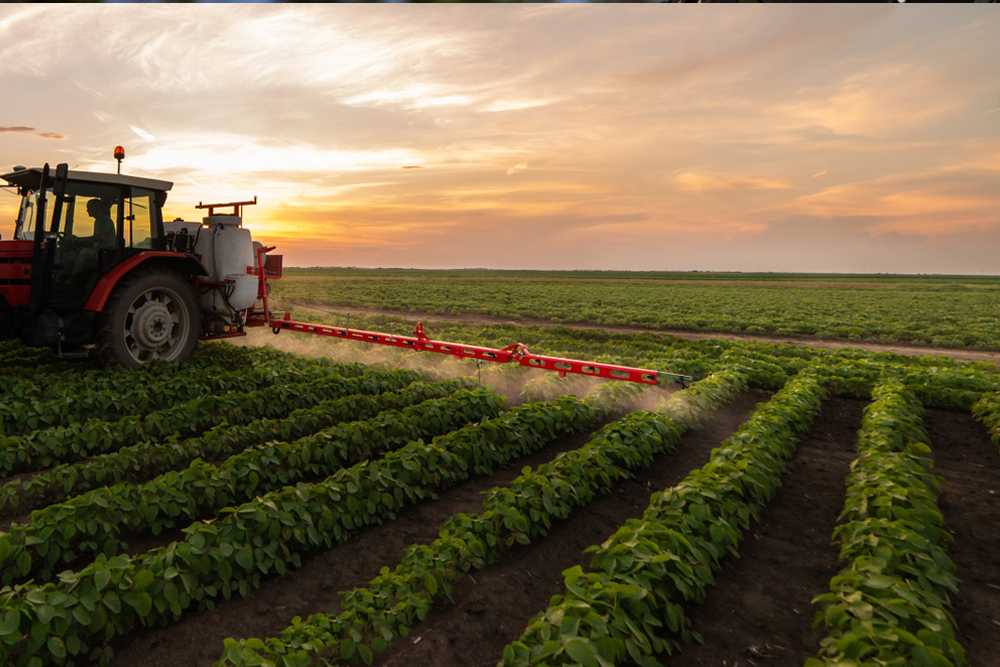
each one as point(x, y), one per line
point(87, 237)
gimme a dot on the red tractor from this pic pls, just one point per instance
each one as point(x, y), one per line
point(93, 265)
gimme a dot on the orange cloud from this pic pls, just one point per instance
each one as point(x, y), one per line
point(932, 203)
point(700, 182)
point(31, 132)
point(878, 99)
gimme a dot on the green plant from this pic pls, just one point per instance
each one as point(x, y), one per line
point(888, 605)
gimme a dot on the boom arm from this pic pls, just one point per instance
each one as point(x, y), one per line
point(517, 353)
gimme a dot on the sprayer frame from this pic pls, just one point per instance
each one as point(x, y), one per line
point(420, 342)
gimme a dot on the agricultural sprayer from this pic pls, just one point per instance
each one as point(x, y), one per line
point(94, 269)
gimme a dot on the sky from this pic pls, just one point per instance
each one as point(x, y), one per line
point(774, 137)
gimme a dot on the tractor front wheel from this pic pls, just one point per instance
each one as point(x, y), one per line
point(151, 314)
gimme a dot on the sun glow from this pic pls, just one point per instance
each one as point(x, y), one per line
point(545, 137)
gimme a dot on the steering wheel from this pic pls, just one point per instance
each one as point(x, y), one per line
point(67, 241)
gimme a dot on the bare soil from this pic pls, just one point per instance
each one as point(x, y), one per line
point(759, 613)
point(197, 640)
point(494, 609)
point(970, 501)
point(760, 610)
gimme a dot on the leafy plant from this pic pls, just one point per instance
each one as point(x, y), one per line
point(140, 462)
point(98, 521)
point(628, 607)
point(396, 600)
point(86, 609)
point(888, 605)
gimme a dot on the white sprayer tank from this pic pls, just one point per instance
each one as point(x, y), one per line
point(226, 250)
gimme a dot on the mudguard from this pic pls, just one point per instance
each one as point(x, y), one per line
point(187, 264)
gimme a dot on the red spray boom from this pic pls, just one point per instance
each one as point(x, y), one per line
point(517, 353)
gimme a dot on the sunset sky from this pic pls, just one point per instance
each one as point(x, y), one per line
point(776, 137)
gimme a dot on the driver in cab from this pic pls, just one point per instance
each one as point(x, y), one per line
point(103, 237)
point(104, 227)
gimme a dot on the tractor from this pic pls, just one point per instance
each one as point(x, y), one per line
point(92, 263)
point(93, 269)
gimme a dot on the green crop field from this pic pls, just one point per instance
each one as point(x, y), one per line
point(944, 311)
point(255, 507)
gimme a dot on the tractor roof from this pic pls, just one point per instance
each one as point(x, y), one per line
point(30, 178)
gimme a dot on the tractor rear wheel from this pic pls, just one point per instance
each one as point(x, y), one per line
point(151, 314)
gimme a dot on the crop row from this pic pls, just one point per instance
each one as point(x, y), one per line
point(84, 610)
point(372, 617)
point(17, 358)
point(63, 444)
point(61, 378)
point(133, 394)
point(145, 460)
point(887, 606)
point(629, 606)
point(97, 521)
point(389, 607)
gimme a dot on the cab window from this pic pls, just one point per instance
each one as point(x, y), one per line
point(89, 212)
point(140, 220)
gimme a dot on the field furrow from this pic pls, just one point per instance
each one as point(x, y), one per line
point(520, 513)
point(252, 506)
point(101, 521)
point(629, 604)
point(490, 609)
point(315, 587)
point(761, 608)
point(229, 556)
point(970, 501)
point(298, 415)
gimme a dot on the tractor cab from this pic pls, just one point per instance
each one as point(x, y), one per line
point(77, 236)
point(96, 222)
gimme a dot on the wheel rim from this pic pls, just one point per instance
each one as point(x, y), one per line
point(156, 326)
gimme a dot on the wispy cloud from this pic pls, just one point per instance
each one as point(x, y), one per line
point(700, 182)
point(31, 132)
point(933, 203)
point(142, 133)
point(630, 139)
